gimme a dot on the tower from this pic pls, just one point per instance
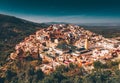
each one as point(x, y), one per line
point(86, 44)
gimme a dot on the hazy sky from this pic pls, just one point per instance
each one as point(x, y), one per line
point(74, 11)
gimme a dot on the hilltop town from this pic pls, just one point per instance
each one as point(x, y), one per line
point(62, 44)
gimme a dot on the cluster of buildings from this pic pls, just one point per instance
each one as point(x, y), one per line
point(62, 44)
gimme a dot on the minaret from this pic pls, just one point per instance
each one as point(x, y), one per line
point(86, 44)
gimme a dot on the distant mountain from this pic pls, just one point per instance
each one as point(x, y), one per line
point(98, 24)
point(87, 24)
point(49, 23)
point(13, 30)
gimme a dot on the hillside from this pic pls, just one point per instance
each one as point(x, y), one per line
point(12, 31)
point(62, 51)
point(57, 53)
